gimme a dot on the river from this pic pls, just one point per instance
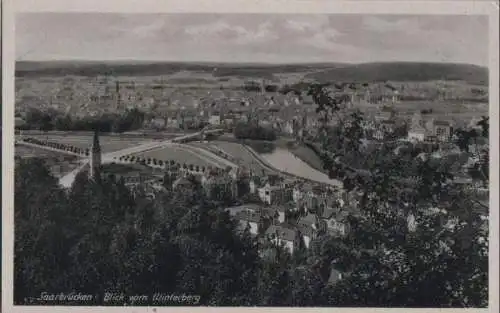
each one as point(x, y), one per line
point(286, 161)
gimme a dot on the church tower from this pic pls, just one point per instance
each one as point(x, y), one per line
point(95, 157)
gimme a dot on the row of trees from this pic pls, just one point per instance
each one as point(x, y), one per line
point(56, 145)
point(169, 164)
point(36, 119)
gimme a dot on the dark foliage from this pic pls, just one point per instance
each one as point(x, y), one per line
point(50, 120)
point(252, 131)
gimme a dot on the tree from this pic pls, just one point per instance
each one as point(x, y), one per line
point(386, 270)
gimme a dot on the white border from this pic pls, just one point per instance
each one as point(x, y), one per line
point(490, 8)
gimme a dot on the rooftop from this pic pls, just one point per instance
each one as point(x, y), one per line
point(283, 232)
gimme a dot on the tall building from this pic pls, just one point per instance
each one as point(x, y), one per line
point(95, 157)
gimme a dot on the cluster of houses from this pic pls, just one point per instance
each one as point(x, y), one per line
point(293, 213)
point(430, 129)
point(289, 212)
point(420, 128)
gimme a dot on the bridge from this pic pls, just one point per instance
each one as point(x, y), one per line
point(201, 135)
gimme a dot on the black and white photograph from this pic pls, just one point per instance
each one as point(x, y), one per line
point(261, 159)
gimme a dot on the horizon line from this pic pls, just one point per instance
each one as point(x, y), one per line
point(249, 63)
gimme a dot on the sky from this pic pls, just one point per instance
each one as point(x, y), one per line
point(252, 38)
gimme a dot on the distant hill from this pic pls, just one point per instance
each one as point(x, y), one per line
point(89, 68)
point(403, 71)
point(322, 72)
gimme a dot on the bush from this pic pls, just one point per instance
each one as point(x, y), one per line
point(249, 131)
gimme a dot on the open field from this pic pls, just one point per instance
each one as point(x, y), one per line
point(180, 155)
point(237, 151)
point(108, 143)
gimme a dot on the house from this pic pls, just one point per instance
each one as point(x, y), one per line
point(173, 122)
point(275, 193)
point(280, 210)
point(157, 123)
point(255, 183)
point(214, 119)
point(310, 220)
point(429, 130)
point(249, 219)
point(329, 206)
point(314, 196)
point(443, 130)
point(307, 234)
point(269, 194)
point(288, 128)
point(233, 211)
point(337, 225)
point(291, 99)
point(284, 235)
point(219, 185)
point(299, 191)
point(384, 128)
point(335, 276)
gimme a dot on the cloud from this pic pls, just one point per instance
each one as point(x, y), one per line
point(324, 40)
point(208, 29)
point(307, 23)
point(238, 34)
point(150, 29)
point(379, 24)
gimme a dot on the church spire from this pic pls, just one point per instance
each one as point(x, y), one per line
point(96, 147)
point(95, 158)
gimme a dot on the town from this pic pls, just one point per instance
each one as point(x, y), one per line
point(275, 204)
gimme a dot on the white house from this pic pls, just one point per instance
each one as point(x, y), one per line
point(214, 119)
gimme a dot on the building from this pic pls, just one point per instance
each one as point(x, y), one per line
point(234, 210)
point(307, 234)
point(384, 128)
point(249, 219)
point(277, 211)
point(214, 119)
point(284, 235)
point(95, 157)
point(219, 185)
point(429, 130)
point(443, 130)
point(275, 193)
point(254, 184)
